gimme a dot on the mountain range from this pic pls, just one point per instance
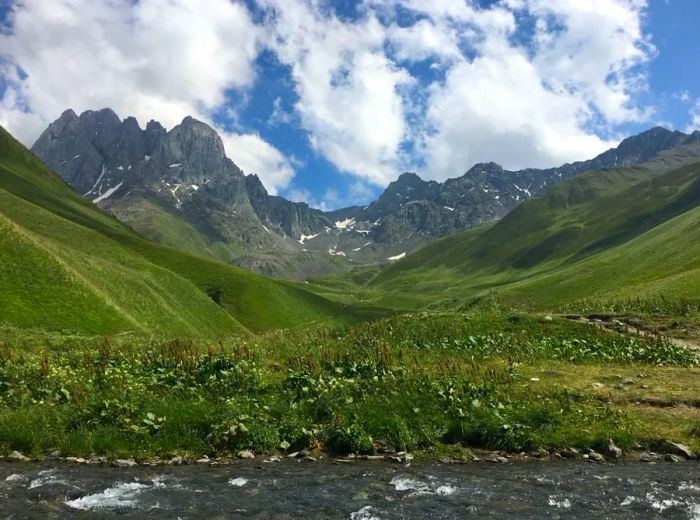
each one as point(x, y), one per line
point(179, 188)
point(605, 235)
point(67, 266)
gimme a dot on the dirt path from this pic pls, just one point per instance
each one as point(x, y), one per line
point(606, 325)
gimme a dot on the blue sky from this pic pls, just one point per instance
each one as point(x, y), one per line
point(330, 101)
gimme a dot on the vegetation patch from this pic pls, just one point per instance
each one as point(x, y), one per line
point(420, 382)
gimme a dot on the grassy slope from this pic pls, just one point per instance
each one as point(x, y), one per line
point(627, 231)
point(438, 383)
point(133, 283)
point(159, 225)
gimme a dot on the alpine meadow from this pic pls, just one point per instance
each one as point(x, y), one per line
point(220, 297)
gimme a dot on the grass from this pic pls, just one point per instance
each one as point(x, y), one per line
point(423, 382)
point(612, 234)
point(69, 267)
point(154, 222)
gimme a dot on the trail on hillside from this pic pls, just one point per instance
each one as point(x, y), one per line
point(605, 324)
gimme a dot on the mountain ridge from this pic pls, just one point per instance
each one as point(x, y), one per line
point(179, 187)
point(68, 266)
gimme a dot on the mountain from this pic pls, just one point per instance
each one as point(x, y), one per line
point(65, 265)
point(607, 233)
point(412, 212)
point(178, 188)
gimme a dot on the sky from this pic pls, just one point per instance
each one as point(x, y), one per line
point(329, 101)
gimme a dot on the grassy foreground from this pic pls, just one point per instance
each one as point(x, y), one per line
point(436, 383)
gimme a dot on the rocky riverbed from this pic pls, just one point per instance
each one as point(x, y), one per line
point(357, 490)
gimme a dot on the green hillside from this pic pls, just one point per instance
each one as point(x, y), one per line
point(65, 265)
point(146, 215)
point(606, 233)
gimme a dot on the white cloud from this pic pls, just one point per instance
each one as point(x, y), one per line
point(531, 104)
point(694, 117)
point(331, 199)
point(496, 108)
point(522, 102)
point(255, 155)
point(348, 88)
point(596, 52)
point(359, 191)
point(153, 59)
point(522, 82)
point(163, 59)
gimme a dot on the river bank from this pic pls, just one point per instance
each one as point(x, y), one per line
point(441, 385)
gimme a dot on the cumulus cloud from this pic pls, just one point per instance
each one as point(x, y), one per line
point(694, 117)
point(349, 90)
point(526, 82)
point(530, 100)
point(160, 59)
point(522, 82)
point(255, 155)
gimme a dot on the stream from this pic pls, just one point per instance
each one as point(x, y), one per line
point(362, 490)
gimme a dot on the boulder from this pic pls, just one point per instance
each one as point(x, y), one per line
point(125, 463)
point(246, 454)
point(595, 456)
point(614, 452)
point(680, 449)
point(16, 456)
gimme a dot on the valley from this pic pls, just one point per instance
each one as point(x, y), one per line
point(510, 337)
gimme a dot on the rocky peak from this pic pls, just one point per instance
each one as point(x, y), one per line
point(66, 117)
point(194, 141)
point(152, 135)
point(486, 167)
point(255, 187)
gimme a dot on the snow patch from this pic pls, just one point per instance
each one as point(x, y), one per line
point(448, 208)
point(238, 481)
point(102, 174)
point(146, 158)
point(120, 167)
point(16, 477)
point(333, 252)
point(303, 237)
point(526, 191)
point(174, 192)
point(363, 245)
point(76, 156)
point(345, 224)
point(107, 193)
point(264, 226)
point(174, 165)
point(194, 187)
point(397, 257)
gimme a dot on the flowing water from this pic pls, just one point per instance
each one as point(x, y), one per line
point(357, 491)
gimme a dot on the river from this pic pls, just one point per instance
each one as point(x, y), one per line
point(362, 490)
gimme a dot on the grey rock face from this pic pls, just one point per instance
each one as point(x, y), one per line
point(185, 171)
point(291, 218)
point(413, 209)
point(117, 165)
